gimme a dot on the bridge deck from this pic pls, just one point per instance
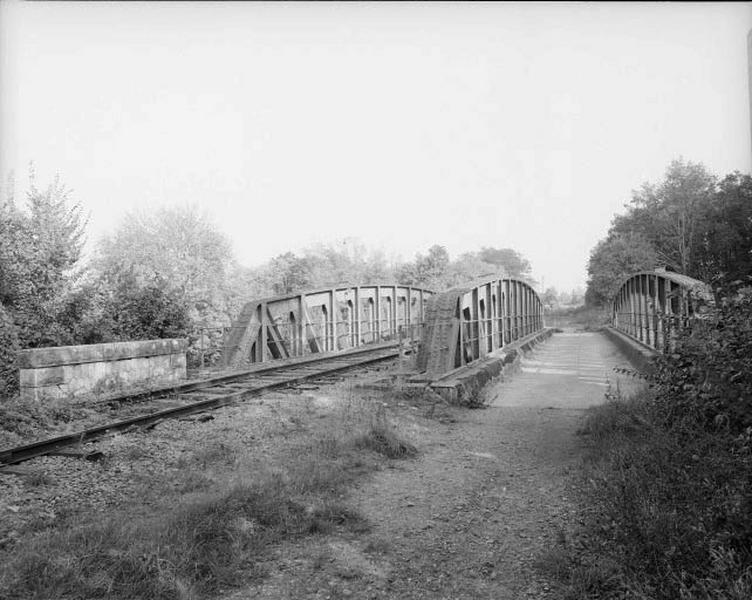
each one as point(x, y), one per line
point(570, 370)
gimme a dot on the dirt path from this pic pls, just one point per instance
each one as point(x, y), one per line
point(487, 495)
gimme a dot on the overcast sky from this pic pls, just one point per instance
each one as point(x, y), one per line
point(404, 125)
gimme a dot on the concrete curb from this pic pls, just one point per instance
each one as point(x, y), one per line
point(462, 386)
point(638, 354)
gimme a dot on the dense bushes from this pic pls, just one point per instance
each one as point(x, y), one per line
point(689, 222)
point(669, 483)
point(8, 347)
point(707, 381)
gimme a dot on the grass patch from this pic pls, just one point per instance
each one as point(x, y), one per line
point(214, 532)
point(382, 438)
point(202, 546)
point(668, 513)
point(21, 419)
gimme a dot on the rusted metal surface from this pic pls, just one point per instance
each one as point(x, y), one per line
point(467, 323)
point(652, 307)
point(324, 321)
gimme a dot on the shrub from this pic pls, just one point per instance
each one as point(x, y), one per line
point(671, 506)
point(382, 438)
point(9, 346)
point(707, 379)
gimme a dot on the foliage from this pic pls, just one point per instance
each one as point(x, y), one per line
point(39, 248)
point(178, 246)
point(289, 273)
point(667, 512)
point(429, 271)
point(550, 298)
point(724, 255)
point(689, 222)
point(436, 271)
point(707, 380)
point(9, 346)
point(508, 260)
point(148, 312)
point(669, 482)
point(670, 214)
point(612, 261)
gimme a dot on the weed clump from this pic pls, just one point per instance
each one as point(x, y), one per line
point(214, 541)
point(668, 483)
point(382, 438)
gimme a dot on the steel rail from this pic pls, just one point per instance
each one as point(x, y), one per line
point(11, 456)
point(263, 368)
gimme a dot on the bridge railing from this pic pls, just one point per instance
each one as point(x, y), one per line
point(319, 321)
point(467, 323)
point(652, 307)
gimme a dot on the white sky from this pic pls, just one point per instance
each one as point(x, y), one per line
point(404, 125)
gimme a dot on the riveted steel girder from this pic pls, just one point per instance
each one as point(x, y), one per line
point(651, 307)
point(467, 323)
point(324, 321)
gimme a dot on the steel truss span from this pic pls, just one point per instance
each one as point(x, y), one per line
point(467, 323)
point(651, 307)
point(321, 321)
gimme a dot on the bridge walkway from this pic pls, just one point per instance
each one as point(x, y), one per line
point(490, 493)
point(570, 370)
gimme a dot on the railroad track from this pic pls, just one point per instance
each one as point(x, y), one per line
point(204, 395)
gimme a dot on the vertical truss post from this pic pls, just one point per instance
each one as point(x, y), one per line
point(500, 312)
point(332, 326)
point(301, 325)
point(461, 341)
point(395, 311)
point(358, 324)
point(377, 307)
point(264, 332)
point(409, 313)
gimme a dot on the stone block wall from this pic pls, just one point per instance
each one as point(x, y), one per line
point(95, 369)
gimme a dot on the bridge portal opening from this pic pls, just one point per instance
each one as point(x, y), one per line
point(325, 328)
point(371, 318)
point(350, 321)
point(389, 318)
point(467, 333)
point(401, 313)
point(482, 326)
point(293, 337)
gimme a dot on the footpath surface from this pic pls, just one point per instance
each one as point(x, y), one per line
point(487, 496)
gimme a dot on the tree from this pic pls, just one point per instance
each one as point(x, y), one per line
point(347, 261)
point(724, 254)
point(178, 247)
point(512, 263)
point(289, 273)
point(40, 246)
point(669, 215)
point(550, 298)
point(429, 271)
point(612, 261)
point(470, 266)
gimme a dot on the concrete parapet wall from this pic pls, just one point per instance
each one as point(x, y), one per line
point(639, 355)
point(65, 371)
point(462, 385)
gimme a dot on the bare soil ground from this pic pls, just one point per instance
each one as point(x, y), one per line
point(490, 490)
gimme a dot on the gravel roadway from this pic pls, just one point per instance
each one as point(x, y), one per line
point(488, 495)
point(490, 491)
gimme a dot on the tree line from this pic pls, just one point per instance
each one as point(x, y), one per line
point(170, 272)
point(691, 222)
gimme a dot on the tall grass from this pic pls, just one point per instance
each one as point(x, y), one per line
point(207, 541)
point(668, 512)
